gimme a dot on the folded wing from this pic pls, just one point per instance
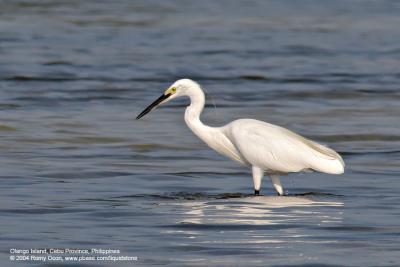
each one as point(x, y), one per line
point(278, 150)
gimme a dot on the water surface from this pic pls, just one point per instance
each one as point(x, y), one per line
point(78, 171)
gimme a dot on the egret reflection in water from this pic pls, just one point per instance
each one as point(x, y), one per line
point(262, 222)
point(262, 210)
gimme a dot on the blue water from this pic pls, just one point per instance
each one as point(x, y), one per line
point(78, 171)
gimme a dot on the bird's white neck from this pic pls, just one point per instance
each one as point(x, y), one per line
point(197, 101)
point(214, 137)
point(193, 111)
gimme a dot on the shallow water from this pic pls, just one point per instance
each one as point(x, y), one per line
point(78, 171)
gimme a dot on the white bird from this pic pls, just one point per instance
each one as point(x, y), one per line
point(266, 147)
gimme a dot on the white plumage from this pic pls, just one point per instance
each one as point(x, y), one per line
point(267, 148)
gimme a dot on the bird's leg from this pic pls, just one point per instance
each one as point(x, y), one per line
point(258, 174)
point(277, 183)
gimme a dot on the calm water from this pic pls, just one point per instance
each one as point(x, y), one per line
point(77, 170)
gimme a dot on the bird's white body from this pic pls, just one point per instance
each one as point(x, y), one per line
point(267, 148)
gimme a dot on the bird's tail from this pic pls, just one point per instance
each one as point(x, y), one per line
point(326, 159)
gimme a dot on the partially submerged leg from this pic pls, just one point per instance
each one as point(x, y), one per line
point(277, 183)
point(258, 174)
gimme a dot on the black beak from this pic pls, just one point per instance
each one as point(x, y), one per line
point(153, 105)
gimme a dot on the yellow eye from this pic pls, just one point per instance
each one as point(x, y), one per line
point(170, 91)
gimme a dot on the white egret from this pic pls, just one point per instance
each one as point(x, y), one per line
point(266, 147)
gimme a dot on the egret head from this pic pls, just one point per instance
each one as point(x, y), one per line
point(177, 89)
